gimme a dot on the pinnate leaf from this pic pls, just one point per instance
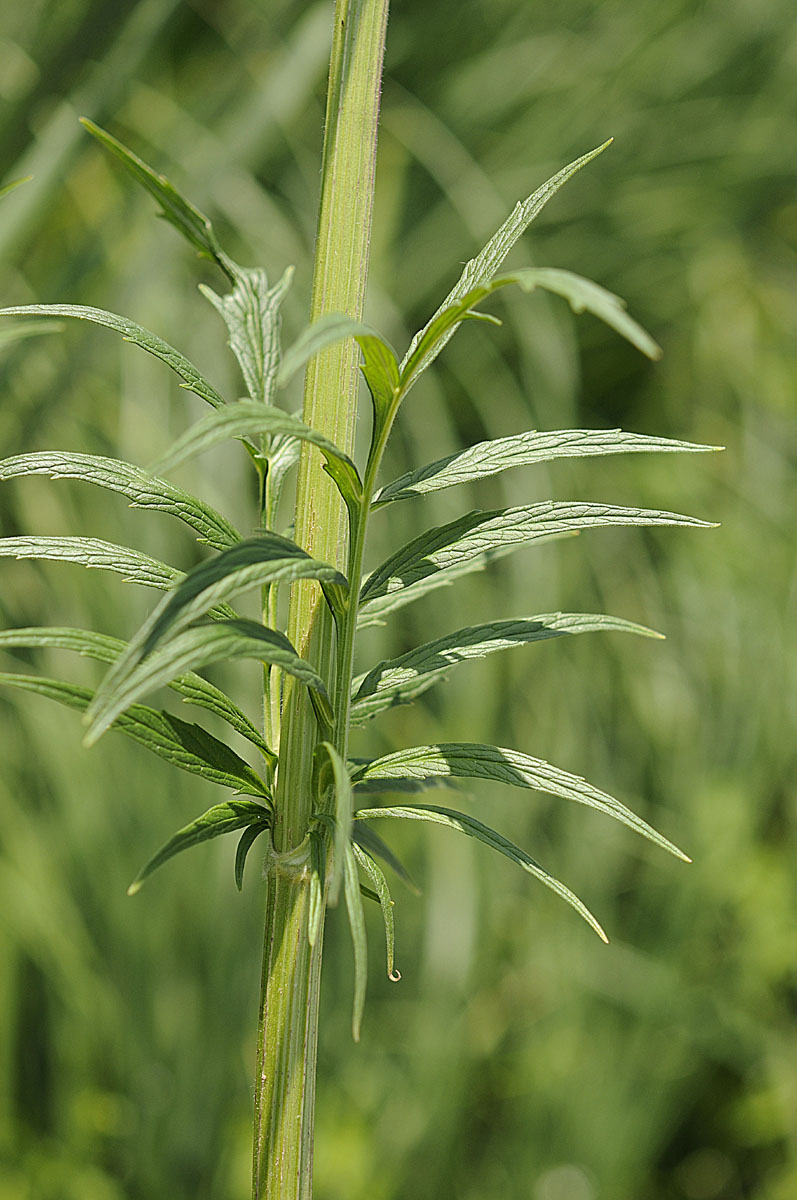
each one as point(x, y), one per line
point(248, 418)
point(222, 818)
point(425, 560)
point(472, 760)
point(134, 566)
point(183, 745)
point(524, 449)
point(193, 381)
point(400, 680)
point(193, 649)
point(99, 646)
point(483, 833)
point(266, 558)
point(143, 490)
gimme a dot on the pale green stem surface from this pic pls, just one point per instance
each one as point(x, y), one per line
point(285, 1084)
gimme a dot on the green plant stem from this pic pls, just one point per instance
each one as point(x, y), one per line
point(285, 1082)
point(287, 1039)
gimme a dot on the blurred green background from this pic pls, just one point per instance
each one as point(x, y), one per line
point(518, 1057)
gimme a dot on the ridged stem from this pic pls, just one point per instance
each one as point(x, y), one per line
point(285, 1084)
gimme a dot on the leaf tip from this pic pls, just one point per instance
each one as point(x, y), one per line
point(394, 976)
point(135, 887)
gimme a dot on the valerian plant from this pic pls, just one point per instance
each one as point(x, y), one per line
point(309, 802)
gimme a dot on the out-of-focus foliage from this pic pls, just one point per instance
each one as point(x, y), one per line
point(516, 1057)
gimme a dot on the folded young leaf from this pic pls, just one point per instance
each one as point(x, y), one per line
point(99, 646)
point(400, 680)
point(482, 268)
point(179, 212)
point(483, 833)
point(222, 818)
point(134, 566)
point(251, 314)
point(376, 875)
point(131, 332)
point(520, 450)
point(187, 746)
point(195, 648)
point(448, 547)
point(354, 905)
point(247, 418)
point(472, 760)
point(141, 489)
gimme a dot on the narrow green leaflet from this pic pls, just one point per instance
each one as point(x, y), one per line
point(193, 688)
point(143, 490)
point(520, 450)
point(175, 209)
point(376, 875)
point(450, 546)
point(134, 566)
point(222, 818)
point(472, 760)
point(193, 649)
point(344, 806)
point(364, 836)
point(187, 746)
point(251, 314)
point(483, 833)
point(248, 418)
point(400, 680)
point(131, 332)
point(482, 268)
point(354, 905)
